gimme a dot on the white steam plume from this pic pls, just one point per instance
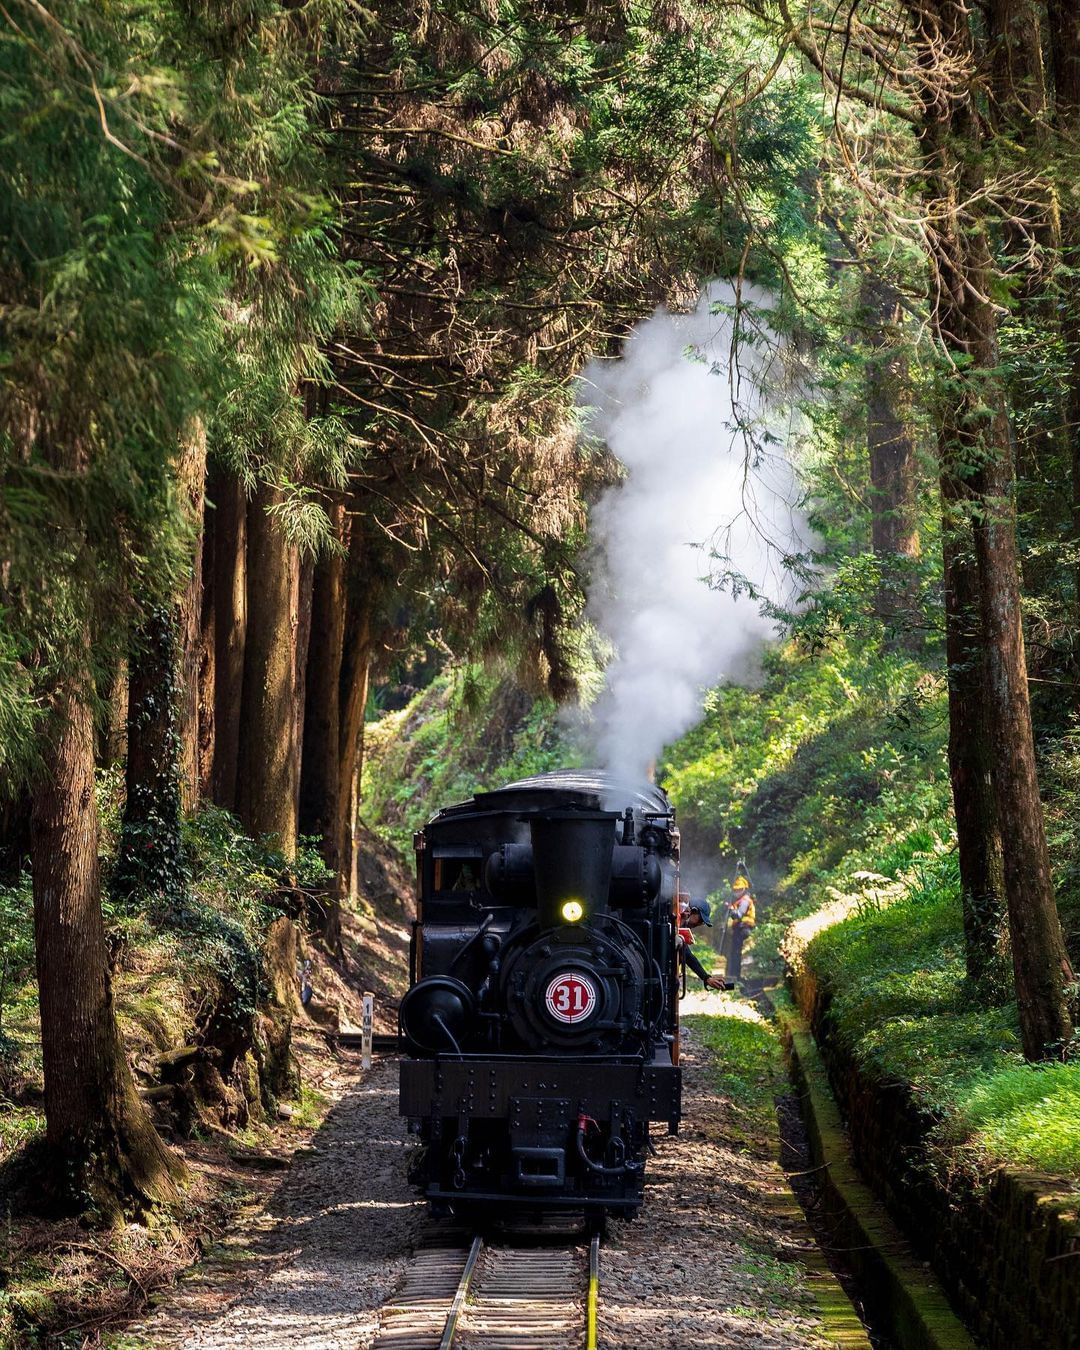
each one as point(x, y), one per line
point(705, 476)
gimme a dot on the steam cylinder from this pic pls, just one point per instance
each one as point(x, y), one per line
point(572, 857)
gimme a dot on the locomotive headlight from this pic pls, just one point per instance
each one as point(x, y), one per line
point(572, 911)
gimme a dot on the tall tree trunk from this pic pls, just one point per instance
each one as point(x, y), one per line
point(191, 486)
point(151, 852)
point(1031, 239)
point(1064, 31)
point(268, 766)
point(106, 1155)
point(355, 667)
point(207, 673)
point(354, 749)
point(1018, 105)
point(230, 628)
point(162, 760)
point(894, 531)
point(305, 585)
point(320, 761)
point(977, 451)
point(112, 736)
point(982, 881)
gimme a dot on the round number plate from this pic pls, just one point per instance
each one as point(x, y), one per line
point(570, 998)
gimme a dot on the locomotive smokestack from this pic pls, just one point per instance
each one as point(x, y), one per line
point(572, 855)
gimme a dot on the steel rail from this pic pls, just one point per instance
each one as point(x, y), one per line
point(594, 1292)
point(460, 1294)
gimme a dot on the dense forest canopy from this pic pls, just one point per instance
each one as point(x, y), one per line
point(293, 298)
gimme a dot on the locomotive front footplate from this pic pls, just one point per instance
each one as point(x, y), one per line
point(483, 1086)
point(536, 1132)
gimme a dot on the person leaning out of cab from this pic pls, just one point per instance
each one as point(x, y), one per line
point(692, 916)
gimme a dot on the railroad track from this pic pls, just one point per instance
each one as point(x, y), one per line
point(495, 1297)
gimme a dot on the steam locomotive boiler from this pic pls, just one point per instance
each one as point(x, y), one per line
point(541, 1025)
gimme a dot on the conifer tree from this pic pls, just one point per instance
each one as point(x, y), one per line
point(927, 85)
point(124, 238)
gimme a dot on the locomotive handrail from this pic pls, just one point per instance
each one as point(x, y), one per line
point(449, 1036)
point(417, 925)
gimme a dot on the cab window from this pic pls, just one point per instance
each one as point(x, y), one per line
point(457, 876)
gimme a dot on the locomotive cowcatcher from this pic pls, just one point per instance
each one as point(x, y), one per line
point(541, 1026)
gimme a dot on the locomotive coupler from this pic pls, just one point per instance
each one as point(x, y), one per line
point(457, 1152)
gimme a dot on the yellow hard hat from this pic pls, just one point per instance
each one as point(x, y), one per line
point(740, 884)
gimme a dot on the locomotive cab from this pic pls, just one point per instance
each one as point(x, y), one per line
point(540, 1028)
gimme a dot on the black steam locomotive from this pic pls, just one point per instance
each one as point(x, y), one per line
point(541, 1025)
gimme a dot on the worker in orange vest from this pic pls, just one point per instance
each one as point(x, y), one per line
point(742, 918)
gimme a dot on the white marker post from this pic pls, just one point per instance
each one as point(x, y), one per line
point(365, 1031)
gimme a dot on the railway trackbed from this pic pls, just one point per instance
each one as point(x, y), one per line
point(494, 1296)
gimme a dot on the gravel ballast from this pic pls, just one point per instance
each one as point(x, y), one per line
point(713, 1258)
point(314, 1268)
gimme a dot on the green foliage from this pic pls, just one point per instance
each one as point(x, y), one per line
point(221, 953)
point(902, 1005)
point(832, 766)
point(831, 761)
point(1028, 1114)
point(231, 871)
point(214, 924)
point(832, 776)
point(540, 178)
point(237, 889)
point(179, 954)
point(470, 729)
point(16, 948)
point(167, 253)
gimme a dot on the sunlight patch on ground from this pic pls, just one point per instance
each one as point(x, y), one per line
point(714, 1004)
point(803, 931)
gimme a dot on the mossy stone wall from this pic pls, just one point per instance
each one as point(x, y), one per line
point(1006, 1248)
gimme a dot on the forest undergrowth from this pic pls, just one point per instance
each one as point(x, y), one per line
point(473, 727)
